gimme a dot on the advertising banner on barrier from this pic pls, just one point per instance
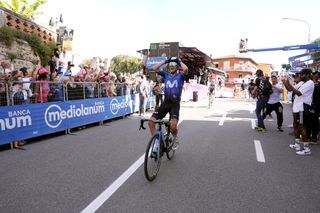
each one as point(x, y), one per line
point(31, 120)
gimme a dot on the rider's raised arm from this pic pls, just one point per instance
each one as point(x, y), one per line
point(157, 66)
point(183, 68)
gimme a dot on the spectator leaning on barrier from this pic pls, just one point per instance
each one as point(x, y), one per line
point(27, 84)
point(16, 88)
point(42, 87)
point(303, 95)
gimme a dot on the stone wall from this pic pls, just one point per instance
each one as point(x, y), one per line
point(15, 21)
point(21, 52)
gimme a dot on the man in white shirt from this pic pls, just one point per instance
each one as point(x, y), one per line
point(303, 92)
point(273, 103)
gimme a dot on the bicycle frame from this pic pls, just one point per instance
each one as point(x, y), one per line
point(160, 141)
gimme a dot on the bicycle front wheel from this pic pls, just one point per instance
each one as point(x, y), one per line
point(170, 152)
point(152, 158)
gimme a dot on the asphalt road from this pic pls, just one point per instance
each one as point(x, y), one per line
point(222, 165)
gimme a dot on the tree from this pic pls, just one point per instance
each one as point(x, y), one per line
point(23, 8)
point(286, 66)
point(125, 64)
point(86, 61)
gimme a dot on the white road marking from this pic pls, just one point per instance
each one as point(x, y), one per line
point(253, 123)
point(259, 151)
point(223, 119)
point(106, 194)
point(251, 108)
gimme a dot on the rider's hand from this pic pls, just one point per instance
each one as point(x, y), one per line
point(167, 61)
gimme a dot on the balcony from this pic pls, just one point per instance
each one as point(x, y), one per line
point(244, 68)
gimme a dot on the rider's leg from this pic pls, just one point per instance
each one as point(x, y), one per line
point(158, 114)
point(152, 125)
point(173, 126)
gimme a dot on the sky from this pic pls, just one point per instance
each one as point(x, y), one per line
point(106, 28)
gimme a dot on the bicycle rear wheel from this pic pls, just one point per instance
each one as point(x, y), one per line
point(152, 158)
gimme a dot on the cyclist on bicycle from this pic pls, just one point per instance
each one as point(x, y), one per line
point(173, 81)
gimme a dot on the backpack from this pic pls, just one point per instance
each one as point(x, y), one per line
point(267, 88)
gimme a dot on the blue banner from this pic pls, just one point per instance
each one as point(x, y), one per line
point(31, 120)
point(155, 60)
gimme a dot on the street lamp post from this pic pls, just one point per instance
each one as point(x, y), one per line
point(301, 20)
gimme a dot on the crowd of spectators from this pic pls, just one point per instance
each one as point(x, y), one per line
point(57, 83)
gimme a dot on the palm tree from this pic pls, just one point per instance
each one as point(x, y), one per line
point(23, 8)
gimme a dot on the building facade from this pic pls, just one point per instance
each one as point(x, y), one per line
point(237, 69)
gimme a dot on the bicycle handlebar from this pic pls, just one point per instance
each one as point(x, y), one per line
point(161, 122)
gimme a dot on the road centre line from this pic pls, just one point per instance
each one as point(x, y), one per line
point(106, 194)
point(223, 118)
point(259, 151)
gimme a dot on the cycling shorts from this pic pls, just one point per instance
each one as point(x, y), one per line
point(173, 108)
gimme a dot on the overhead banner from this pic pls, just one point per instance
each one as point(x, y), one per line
point(32, 120)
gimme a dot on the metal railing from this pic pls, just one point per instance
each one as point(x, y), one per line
point(29, 92)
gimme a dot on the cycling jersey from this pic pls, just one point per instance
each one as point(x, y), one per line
point(172, 86)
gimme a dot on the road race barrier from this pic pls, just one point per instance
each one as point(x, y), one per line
point(59, 106)
point(21, 122)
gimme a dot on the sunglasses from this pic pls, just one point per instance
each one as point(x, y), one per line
point(173, 64)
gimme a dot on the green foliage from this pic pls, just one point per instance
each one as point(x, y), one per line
point(125, 64)
point(23, 8)
point(8, 35)
point(286, 66)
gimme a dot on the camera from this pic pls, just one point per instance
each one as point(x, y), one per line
point(70, 64)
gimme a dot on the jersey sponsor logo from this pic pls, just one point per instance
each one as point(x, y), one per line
point(170, 84)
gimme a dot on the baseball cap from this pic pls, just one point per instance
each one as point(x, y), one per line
point(43, 71)
point(274, 75)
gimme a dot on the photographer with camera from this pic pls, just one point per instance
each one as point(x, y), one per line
point(173, 81)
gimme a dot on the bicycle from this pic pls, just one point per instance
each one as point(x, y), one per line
point(159, 144)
